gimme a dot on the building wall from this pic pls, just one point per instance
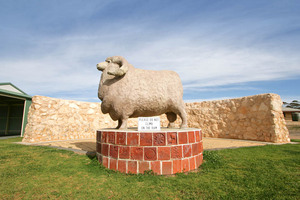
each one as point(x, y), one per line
point(256, 117)
point(288, 116)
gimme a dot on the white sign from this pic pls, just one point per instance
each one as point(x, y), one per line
point(149, 124)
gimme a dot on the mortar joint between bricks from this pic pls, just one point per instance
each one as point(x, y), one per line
point(160, 162)
point(139, 139)
point(152, 138)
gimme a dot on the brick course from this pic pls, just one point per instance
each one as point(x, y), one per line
point(182, 137)
point(113, 151)
point(191, 136)
point(143, 166)
point(159, 139)
point(122, 166)
point(121, 138)
point(150, 153)
point(136, 153)
point(124, 152)
point(146, 139)
point(172, 138)
point(132, 139)
point(164, 153)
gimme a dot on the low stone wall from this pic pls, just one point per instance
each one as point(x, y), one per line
point(52, 119)
point(256, 117)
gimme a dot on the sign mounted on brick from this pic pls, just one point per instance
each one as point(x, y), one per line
point(149, 124)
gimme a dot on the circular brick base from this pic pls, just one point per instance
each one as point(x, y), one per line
point(164, 152)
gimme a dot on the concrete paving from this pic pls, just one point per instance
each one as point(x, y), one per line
point(7, 137)
point(89, 145)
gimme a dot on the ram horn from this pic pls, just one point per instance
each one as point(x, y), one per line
point(122, 62)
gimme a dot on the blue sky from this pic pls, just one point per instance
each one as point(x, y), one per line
point(220, 49)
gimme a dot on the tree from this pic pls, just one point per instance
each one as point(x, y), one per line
point(293, 104)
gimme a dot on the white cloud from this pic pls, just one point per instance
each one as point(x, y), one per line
point(70, 63)
point(289, 99)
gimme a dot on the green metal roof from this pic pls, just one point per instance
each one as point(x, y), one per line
point(9, 93)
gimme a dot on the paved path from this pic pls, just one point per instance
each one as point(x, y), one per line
point(7, 137)
point(294, 129)
point(89, 145)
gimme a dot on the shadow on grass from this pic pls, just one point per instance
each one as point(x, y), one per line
point(88, 147)
point(85, 146)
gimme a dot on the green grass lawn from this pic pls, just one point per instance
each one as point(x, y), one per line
point(265, 172)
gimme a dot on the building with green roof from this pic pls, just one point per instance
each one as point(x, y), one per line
point(14, 106)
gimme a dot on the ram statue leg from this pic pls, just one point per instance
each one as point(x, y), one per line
point(183, 117)
point(119, 124)
point(123, 124)
point(172, 118)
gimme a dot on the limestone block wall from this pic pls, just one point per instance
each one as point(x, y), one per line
point(256, 117)
point(52, 119)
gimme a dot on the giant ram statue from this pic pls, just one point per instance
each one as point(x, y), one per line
point(129, 92)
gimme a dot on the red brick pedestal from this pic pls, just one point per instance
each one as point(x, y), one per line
point(164, 152)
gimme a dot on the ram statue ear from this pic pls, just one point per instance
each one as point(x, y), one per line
point(123, 66)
